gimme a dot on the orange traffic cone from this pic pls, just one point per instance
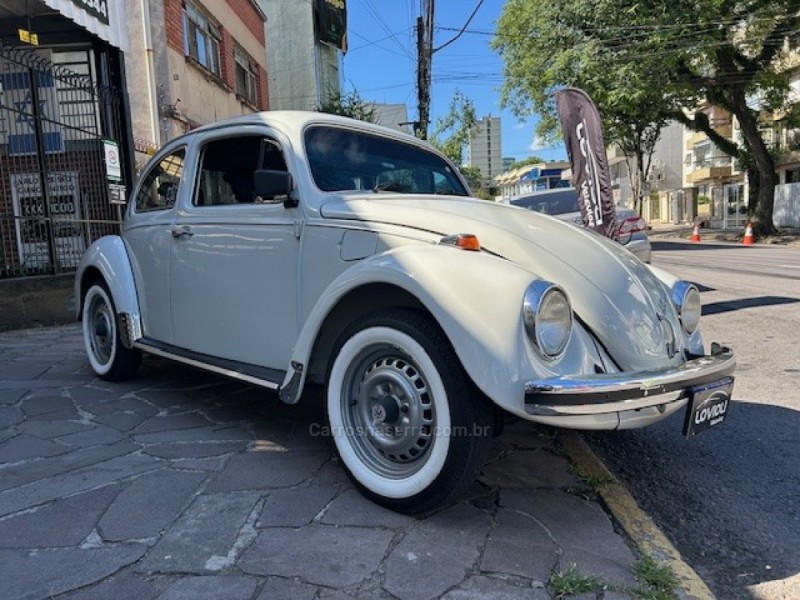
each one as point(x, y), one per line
point(748, 235)
point(696, 233)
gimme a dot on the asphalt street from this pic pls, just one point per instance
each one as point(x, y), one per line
point(179, 485)
point(729, 499)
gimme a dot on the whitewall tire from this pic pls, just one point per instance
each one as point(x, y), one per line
point(409, 427)
point(109, 358)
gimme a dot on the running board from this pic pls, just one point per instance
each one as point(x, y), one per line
point(260, 376)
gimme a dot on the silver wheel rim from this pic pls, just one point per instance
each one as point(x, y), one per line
point(100, 329)
point(388, 412)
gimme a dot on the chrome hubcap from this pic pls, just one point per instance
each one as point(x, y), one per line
point(388, 412)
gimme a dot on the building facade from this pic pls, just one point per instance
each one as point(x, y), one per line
point(307, 40)
point(194, 62)
point(485, 148)
point(393, 116)
point(713, 178)
point(531, 178)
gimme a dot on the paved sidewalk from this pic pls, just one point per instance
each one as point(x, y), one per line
point(181, 485)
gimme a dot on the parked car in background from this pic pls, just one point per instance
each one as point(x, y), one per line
point(288, 248)
point(562, 203)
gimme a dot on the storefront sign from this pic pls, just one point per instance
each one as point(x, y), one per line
point(96, 8)
point(31, 225)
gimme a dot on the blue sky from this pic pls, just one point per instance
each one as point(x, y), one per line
point(381, 63)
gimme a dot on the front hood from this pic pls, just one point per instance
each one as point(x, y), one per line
point(612, 292)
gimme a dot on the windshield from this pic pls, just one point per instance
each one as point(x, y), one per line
point(342, 159)
point(550, 203)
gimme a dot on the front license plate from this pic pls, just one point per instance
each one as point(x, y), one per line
point(707, 407)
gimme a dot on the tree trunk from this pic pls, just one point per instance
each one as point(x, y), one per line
point(763, 161)
point(762, 222)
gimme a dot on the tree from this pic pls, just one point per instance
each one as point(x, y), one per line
point(475, 181)
point(350, 105)
point(546, 46)
point(452, 132)
point(644, 63)
point(531, 160)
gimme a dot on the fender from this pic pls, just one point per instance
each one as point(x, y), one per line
point(475, 297)
point(109, 255)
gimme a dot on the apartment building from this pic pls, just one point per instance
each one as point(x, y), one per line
point(485, 147)
point(193, 62)
point(306, 43)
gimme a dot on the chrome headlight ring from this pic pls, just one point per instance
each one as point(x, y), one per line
point(547, 315)
point(686, 298)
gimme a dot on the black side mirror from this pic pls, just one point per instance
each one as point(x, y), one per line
point(269, 184)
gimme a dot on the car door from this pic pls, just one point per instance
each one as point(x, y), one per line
point(149, 242)
point(233, 289)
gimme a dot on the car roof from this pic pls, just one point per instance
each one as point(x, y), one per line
point(296, 120)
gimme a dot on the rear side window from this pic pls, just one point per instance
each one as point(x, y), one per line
point(159, 187)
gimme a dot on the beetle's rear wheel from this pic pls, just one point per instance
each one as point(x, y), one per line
point(109, 358)
point(409, 427)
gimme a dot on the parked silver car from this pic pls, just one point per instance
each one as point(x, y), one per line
point(562, 203)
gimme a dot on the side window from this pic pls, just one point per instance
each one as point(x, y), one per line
point(160, 185)
point(228, 166)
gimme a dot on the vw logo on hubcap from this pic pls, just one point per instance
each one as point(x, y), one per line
point(378, 413)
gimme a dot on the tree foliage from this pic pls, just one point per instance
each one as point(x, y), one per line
point(473, 177)
point(452, 132)
point(643, 63)
point(531, 160)
point(350, 104)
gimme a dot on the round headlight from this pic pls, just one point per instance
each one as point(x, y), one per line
point(547, 315)
point(686, 298)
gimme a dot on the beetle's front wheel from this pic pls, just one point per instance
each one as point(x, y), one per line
point(109, 358)
point(411, 430)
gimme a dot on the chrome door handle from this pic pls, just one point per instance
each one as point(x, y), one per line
point(182, 231)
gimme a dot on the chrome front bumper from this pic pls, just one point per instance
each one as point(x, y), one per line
point(614, 392)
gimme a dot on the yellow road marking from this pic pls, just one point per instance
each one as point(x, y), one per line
point(650, 540)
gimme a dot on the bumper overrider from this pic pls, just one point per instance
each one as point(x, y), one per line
point(606, 393)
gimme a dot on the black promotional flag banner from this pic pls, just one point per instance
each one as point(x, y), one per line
point(583, 135)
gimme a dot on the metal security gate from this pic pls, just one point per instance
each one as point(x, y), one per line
point(58, 146)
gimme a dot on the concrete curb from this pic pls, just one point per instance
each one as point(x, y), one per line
point(649, 539)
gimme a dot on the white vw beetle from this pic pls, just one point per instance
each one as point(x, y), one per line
point(284, 248)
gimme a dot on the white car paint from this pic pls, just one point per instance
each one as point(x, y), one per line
point(256, 283)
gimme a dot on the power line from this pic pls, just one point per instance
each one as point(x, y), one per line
point(461, 31)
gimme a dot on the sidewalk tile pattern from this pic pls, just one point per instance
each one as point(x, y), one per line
point(179, 484)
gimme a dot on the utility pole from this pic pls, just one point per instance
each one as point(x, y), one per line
point(424, 53)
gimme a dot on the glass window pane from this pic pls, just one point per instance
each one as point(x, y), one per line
point(160, 184)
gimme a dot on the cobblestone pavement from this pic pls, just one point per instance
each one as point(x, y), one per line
point(182, 485)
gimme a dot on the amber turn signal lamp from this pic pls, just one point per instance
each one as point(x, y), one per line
point(465, 241)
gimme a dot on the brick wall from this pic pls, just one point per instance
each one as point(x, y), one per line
point(227, 64)
point(173, 24)
point(250, 16)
